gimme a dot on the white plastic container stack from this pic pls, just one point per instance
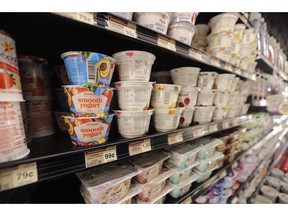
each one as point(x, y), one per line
point(199, 40)
point(134, 92)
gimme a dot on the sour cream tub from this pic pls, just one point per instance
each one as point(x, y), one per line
point(157, 21)
point(10, 85)
point(134, 65)
point(165, 96)
point(186, 117)
point(185, 76)
point(188, 97)
point(133, 124)
point(189, 17)
point(182, 31)
point(203, 115)
point(134, 96)
point(88, 131)
point(223, 22)
point(223, 82)
point(205, 97)
point(167, 119)
point(13, 144)
point(206, 79)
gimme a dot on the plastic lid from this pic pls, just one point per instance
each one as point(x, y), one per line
point(193, 177)
point(214, 157)
point(147, 160)
point(179, 170)
point(186, 149)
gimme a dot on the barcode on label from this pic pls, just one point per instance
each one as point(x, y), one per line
point(93, 163)
point(175, 138)
point(91, 72)
point(166, 98)
point(138, 147)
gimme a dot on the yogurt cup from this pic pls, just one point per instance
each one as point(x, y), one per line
point(223, 82)
point(88, 101)
point(126, 15)
point(157, 21)
point(88, 131)
point(133, 124)
point(182, 31)
point(62, 99)
point(88, 67)
point(205, 97)
point(26, 123)
point(186, 117)
point(185, 76)
point(249, 36)
point(269, 193)
point(219, 113)
point(221, 99)
point(165, 96)
point(234, 84)
point(203, 115)
point(238, 31)
point(60, 120)
point(221, 53)
point(245, 51)
point(202, 30)
point(134, 65)
point(219, 40)
point(283, 198)
point(189, 17)
point(167, 119)
point(206, 79)
point(188, 97)
point(223, 22)
point(134, 96)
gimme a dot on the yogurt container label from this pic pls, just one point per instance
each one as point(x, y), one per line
point(89, 102)
point(133, 123)
point(142, 69)
point(168, 121)
point(91, 131)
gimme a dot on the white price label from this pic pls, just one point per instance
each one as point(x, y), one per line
point(122, 26)
point(85, 17)
point(234, 165)
point(175, 138)
point(225, 124)
point(228, 67)
point(18, 176)
point(197, 132)
point(139, 147)
point(193, 53)
point(166, 43)
point(215, 61)
point(223, 174)
point(213, 128)
point(100, 156)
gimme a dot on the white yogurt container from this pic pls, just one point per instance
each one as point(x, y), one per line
point(206, 79)
point(149, 164)
point(223, 22)
point(269, 193)
point(133, 123)
point(221, 99)
point(134, 96)
point(183, 187)
point(157, 21)
point(245, 50)
point(186, 117)
point(223, 82)
point(219, 113)
point(165, 96)
point(233, 111)
point(244, 109)
point(209, 148)
point(283, 198)
point(274, 182)
point(189, 17)
point(167, 119)
point(219, 40)
point(249, 36)
point(202, 30)
point(234, 84)
point(277, 173)
point(184, 155)
point(188, 97)
point(185, 76)
point(203, 115)
point(238, 31)
point(134, 65)
point(235, 46)
point(205, 97)
point(182, 31)
point(180, 175)
point(209, 163)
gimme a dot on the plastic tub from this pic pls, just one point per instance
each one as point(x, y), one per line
point(223, 22)
point(154, 187)
point(165, 96)
point(150, 165)
point(88, 101)
point(188, 97)
point(277, 173)
point(133, 123)
point(209, 147)
point(184, 155)
point(205, 97)
point(185, 76)
point(189, 17)
point(107, 185)
point(183, 187)
point(219, 40)
point(235, 46)
point(182, 31)
point(249, 36)
point(134, 65)
point(206, 79)
point(62, 75)
point(88, 131)
point(274, 182)
point(221, 99)
point(269, 193)
point(167, 119)
point(283, 198)
point(209, 163)
point(186, 117)
point(134, 96)
point(203, 115)
point(62, 99)
point(126, 15)
point(202, 30)
point(180, 175)
point(223, 82)
point(219, 113)
point(83, 67)
point(238, 31)
point(244, 109)
point(157, 21)
point(60, 120)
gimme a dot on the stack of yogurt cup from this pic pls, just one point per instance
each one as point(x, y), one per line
point(13, 144)
point(236, 42)
point(89, 96)
point(134, 92)
point(199, 40)
point(182, 27)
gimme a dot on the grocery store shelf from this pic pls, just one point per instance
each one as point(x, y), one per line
point(264, 64)
point(244, 20)
point(55, 156)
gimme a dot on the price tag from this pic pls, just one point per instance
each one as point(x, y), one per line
point(225, 124)
point(166, 43)
point(100, 156)
point(215, 61)
point(213, 128)
point(18, 176)
point(85, 17)
point(234, 165)
point(228, 67)
point(222, 174)
point(122, 26)
point(193, 53)
point(175, 138)
point(138, 147)
point(197, 132)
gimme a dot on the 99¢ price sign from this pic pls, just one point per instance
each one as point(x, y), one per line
point(100, 156)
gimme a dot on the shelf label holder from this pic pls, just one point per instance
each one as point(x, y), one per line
point(175, 138)
point(100, 156)
point(139, 147)
point(121, 26)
